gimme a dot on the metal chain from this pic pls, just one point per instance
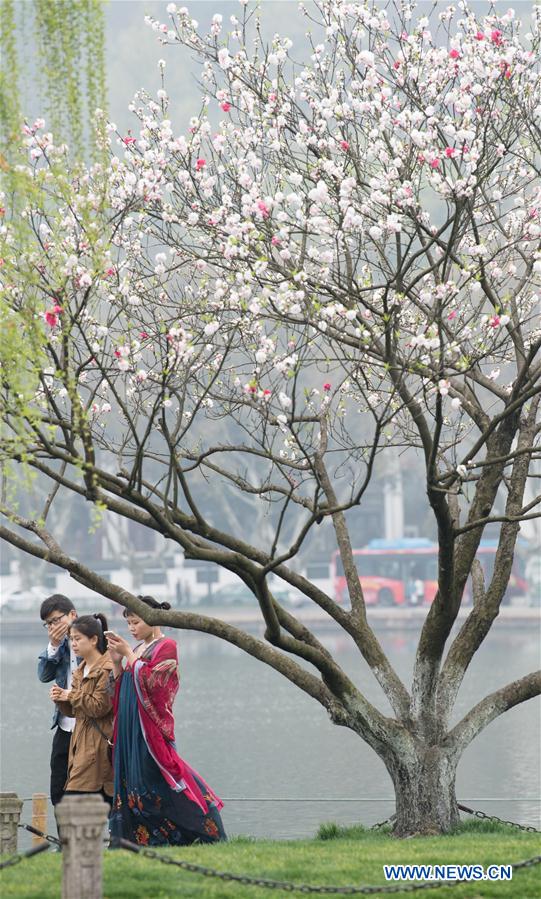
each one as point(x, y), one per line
point(383, 823)
point(479, 814)
point(47, 836)
point(528, 863)
point(290, 887)
point(39, 833)
point(20, 856)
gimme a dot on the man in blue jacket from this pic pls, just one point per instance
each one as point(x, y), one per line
point(58, 663)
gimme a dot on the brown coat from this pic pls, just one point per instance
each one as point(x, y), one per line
point(89, 769)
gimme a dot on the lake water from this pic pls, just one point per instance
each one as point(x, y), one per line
point(260, 738)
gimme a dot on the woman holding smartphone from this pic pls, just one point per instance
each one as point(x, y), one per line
point(89, 701)
point(159, 799)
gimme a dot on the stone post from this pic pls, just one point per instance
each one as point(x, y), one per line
point(10, 813)
point(80, 821)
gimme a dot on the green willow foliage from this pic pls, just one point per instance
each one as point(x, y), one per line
point(9, 92)
point(52, 65)
point(65, 68)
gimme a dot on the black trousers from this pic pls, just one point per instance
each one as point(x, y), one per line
point(59, 763)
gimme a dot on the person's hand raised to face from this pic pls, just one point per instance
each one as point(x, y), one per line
point(57, 627)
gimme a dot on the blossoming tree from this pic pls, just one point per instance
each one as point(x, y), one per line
point(338, 259)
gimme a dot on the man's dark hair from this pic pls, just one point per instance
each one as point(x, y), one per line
point(55, 603)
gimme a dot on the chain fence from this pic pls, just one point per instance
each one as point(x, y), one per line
point(47, 836)
point(283, 885)
point(40, 833)
point(291, 887)
point(479, 814)
point(363, 890)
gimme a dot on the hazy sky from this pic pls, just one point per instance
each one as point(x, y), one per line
point(133, 51)
point(133, 48)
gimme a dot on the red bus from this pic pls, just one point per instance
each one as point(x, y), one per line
point(392, 572)
point(405, 572)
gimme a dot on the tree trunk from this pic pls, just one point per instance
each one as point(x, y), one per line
point(424, 783)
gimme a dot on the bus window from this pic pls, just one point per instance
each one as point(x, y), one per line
point(389, 567)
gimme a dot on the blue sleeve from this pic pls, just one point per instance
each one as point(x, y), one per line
point(48, 667)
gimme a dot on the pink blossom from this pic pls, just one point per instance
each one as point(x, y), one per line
point(143, 335)
point(225, 106)
point(450, 152)
point(494, 321)
point(344, 144)
point(326, 387)
point(452, 315)
point(496, 37)
point(454, 54)
point(275, 241)
point(263, 208)
point(200, 164)
point(51, 315)
point(128, 140)
point(110, 272)
point(435, 164)
point(479, 36)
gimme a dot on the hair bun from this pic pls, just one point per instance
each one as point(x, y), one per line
point(153, 603)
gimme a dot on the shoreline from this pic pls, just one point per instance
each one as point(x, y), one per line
point(512, 617)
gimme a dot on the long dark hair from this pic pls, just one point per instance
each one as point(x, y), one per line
point(149, 601)
point(92, 626)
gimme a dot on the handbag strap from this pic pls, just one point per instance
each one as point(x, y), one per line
point(95, 724)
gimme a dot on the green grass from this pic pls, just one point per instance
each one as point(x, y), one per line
point(338, 856)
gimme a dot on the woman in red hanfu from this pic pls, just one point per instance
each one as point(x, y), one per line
point(159, 798)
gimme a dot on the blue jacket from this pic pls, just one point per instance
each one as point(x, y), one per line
point(57, 669)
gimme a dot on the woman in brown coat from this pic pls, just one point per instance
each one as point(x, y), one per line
point(89, 702)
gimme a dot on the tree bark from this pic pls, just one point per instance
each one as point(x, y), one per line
point(424, 783)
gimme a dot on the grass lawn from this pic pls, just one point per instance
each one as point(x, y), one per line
point(348, 856)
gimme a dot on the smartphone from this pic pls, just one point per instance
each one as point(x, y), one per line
point(109, 632)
